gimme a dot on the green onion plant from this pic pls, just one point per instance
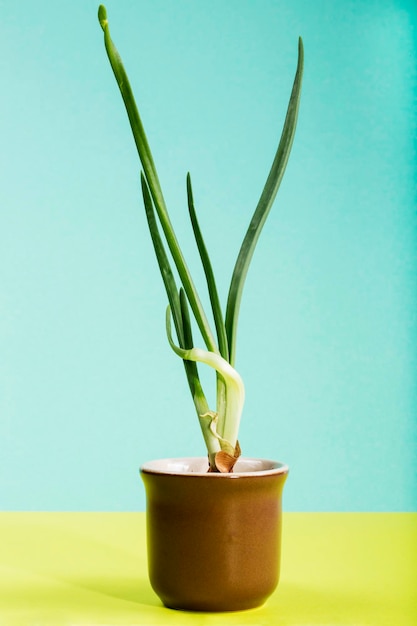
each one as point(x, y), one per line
point(219, 425)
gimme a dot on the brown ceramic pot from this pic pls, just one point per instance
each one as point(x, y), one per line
point(213, 539)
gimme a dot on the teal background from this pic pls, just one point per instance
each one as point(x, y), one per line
point(89, 388)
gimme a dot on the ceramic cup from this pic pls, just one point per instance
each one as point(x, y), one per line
point(213, 539)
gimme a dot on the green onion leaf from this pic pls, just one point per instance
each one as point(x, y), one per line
point(208, 271)
point(262, 210)
point(152, 180)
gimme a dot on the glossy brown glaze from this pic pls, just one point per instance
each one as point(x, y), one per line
point(214, 540)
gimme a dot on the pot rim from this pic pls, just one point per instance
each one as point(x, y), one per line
point(194, 466)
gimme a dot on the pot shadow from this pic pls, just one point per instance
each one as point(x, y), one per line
point(134, 590)
point(34, 590)
point(60, 561)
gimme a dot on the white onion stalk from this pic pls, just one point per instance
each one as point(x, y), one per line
point(235, 389)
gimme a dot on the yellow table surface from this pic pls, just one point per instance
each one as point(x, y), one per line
point(83, 569)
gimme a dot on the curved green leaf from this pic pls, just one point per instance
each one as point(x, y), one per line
point(262, 210)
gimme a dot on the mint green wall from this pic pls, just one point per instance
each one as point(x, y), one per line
point(89, 388)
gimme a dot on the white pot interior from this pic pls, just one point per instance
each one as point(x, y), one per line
point(199, 465)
